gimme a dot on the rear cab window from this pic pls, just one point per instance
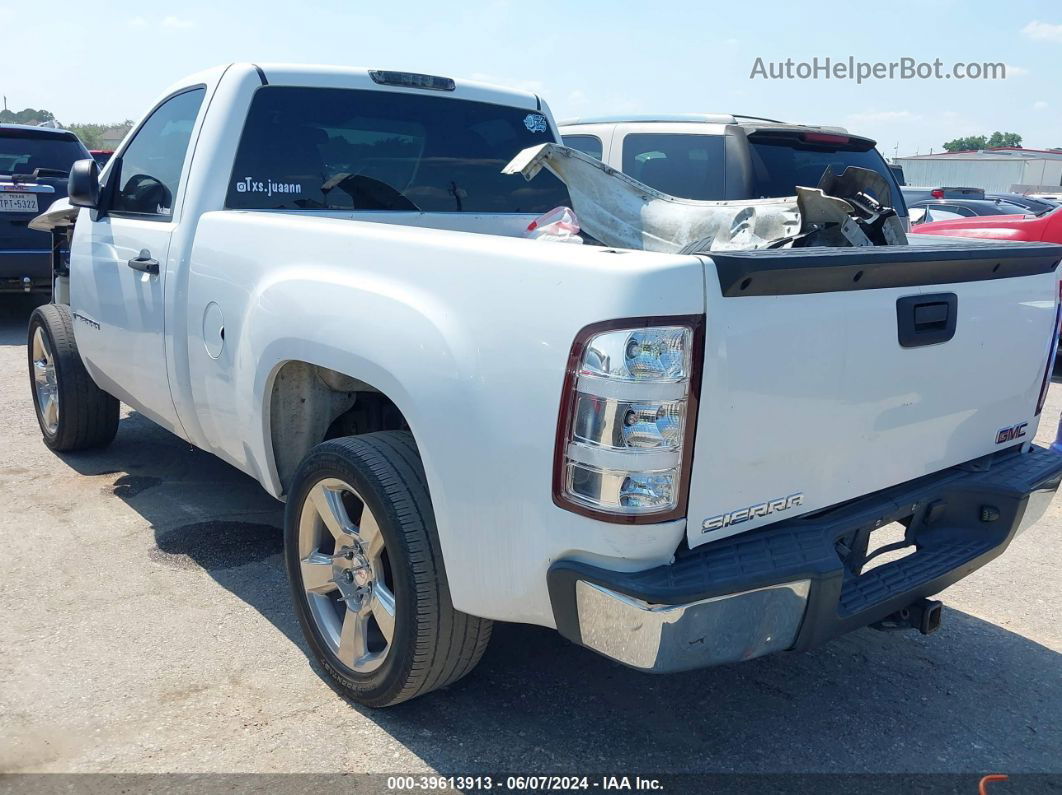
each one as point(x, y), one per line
point(353, 149)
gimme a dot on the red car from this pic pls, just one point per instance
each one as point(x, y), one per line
point(1045, 228)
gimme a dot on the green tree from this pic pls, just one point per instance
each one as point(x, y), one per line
point(972, 142)
point(25, 116)
point(966, 144)
point(90, 134)
point(1004, 139)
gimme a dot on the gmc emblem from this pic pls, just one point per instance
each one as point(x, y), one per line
point(1011, 433)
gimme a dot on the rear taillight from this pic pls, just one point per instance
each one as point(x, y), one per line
point(1052, 349)
point(627, 416)
point(937, 193)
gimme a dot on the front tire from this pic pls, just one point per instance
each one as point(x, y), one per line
point(366, 572)
point(73, 413)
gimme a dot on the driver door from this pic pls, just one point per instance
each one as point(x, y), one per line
point(125, 256)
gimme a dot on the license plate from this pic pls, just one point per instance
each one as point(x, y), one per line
point(18, 202)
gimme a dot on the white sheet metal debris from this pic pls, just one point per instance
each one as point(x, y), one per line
point(617, 210)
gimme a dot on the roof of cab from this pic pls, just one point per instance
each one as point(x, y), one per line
point(325, 76)
point(356, 76)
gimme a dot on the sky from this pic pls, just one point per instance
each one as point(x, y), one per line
point(109, 62)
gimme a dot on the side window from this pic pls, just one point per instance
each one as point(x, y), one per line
point(953, 211)
point(687, 166)
point(588, 144)
point(938, 214)
point(151, 164)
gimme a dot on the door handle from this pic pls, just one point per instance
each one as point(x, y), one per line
point(144, 263)
point(930, 317)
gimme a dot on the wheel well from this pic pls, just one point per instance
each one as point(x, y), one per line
point(309, 404)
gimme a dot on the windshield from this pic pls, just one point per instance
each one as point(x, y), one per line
point(347, 149)
point(778, 167)
point(23, 154)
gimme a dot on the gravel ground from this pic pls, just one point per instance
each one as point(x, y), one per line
point(147, 627)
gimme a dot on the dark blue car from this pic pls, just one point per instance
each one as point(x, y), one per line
point(34, 165)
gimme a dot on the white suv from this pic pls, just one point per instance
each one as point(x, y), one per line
point(715, 157)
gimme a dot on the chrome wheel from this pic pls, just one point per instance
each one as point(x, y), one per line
point(346, 575)
point(44, 383)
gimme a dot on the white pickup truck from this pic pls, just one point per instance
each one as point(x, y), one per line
point(321, 276)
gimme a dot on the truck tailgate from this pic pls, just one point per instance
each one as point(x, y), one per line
point(834, 373)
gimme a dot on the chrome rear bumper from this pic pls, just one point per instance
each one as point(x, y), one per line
point(800, 582)
point(663, 638)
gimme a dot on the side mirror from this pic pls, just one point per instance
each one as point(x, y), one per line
point(83, 186)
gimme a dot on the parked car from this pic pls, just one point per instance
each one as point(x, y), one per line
point(1031, 205)
point(913, 194)
point(1046, 227)
point(101, 156)
point(951, 209)
point(333, 292)
point(34, 165)
point(684, 155)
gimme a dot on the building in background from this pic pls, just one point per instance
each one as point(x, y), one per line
point(996, 170)
point(113, 136)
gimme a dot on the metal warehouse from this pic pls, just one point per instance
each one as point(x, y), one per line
point(995, 170)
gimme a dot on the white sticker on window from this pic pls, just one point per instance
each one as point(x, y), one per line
point(535, 122)
point(267, 186)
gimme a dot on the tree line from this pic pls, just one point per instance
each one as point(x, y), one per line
point(90, 134)
point(974, 142)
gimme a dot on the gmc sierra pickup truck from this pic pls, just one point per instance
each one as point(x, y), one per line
point(322, 276)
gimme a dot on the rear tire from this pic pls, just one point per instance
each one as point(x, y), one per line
point(73, 413)
point(361, 546)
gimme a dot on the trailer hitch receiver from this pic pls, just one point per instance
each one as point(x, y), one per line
point(924, 615)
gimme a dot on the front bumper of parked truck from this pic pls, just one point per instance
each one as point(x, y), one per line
point(800, 582)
